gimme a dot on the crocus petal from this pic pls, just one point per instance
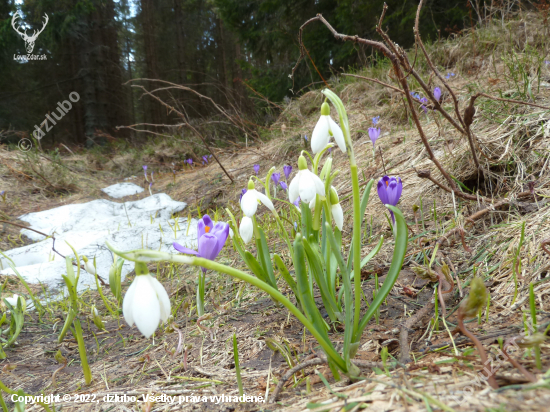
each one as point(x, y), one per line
point(207, 221)
point(382, 193)
point(221, 231)
point(392, 192)
point(127, 304)
point(183, 249)
point(265, 200)
point(338, 215)
point(208, 246)
point(246, 230)
point(293, 189)
point(200, 228)
point(249, 203)
point(164, 300)
point(320, 136)
point(145, 307)
point(338, 134)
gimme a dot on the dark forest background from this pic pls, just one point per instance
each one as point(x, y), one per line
point(223, 49)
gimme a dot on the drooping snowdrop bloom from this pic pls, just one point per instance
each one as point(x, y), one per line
point(305, 184)
point(246, 229)
point(256, 169)
point(211, 239)
point(336, 209)
point(325, 128)
point(374, 134)
point(146, 302)
point(89, 266)
point(287, 170)
point(251, 199)
point(389, 191)
point(437, 93)
point(13, 301)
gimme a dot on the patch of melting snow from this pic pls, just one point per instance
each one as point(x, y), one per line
point(144, 223)
point(119, 190)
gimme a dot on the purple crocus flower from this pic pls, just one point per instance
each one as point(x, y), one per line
point(287, 170)
point(375, 120)
point(2, 192)
point(242, 194)
point(283, 185)
point(437, 93)
point(374, 134)
point(276, 177)
point(305, 137)
point(211, 239)
point(449, 75)
point(389, 191)
point(256, 169)
point(547, 62)
point(205, 160)
point(189, 161)
point(145, 172)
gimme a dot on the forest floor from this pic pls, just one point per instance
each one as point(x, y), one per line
point(515, 150)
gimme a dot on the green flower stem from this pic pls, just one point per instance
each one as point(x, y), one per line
point(154, 256)
point(356, 244)
point(77, 332)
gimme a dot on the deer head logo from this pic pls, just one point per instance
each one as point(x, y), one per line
point(29, 40)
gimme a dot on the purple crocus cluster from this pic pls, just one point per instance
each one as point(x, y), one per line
point(449, 75)
point(205, 159)
point(389, 191)
point(211, 239)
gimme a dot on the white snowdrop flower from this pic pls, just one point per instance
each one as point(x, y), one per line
point(325, 128)
point(89, 266)
point(146, 302)
point(250, 200)
point(13, 301)
point(305, 184)
point(336, 209)
point(246, 230)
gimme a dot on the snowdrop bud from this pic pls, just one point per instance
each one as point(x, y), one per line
point(334, 196)
point(251, 185)
point(325, 109)
point(88, 266)
point(97, 319)
point(475, 300)
point(302, 162)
